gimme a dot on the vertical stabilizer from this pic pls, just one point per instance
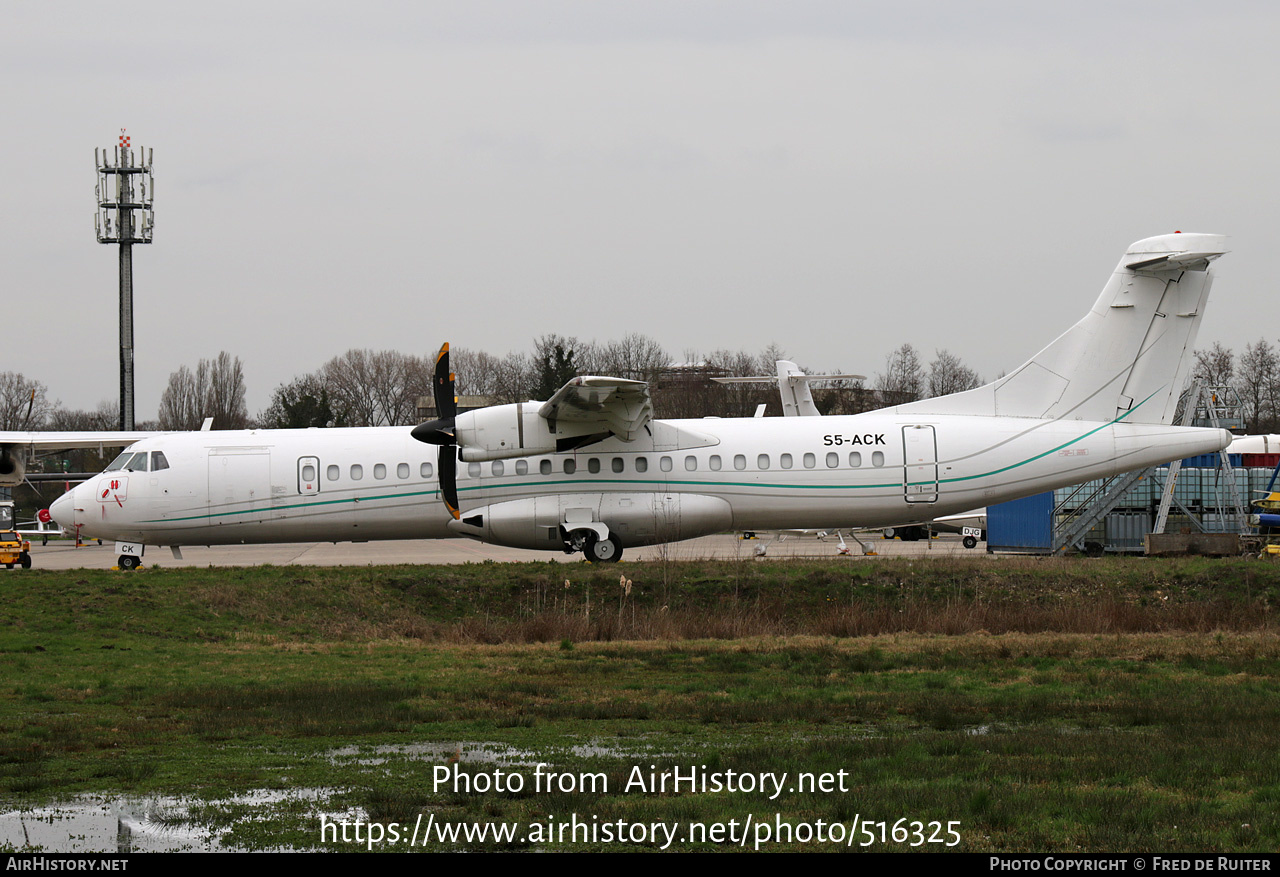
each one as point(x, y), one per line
point(1130, 356)
point(797, 398)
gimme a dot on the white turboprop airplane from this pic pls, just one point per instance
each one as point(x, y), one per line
point(591, 470)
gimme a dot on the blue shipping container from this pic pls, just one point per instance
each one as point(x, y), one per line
point(1210, 461)
point(1021, 525)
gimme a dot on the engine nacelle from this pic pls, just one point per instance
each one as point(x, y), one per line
point(13, 465)
point(515, 430)
point(635, 518)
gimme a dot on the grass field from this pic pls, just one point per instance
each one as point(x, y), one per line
point(1109, 705)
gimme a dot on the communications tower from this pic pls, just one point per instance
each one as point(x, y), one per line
point(125, 194)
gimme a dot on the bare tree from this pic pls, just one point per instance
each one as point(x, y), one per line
point(947, 375)
point(903, 377)
point(377, 388)
point(635, 357)
point(24, 403)
point(225, 400)
point(215, 389)
point(181, 403)
point(1215, 367)
point(103, 418)
point(1257, 383)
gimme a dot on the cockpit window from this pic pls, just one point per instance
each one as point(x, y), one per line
point(158, 461)
point(129, 460)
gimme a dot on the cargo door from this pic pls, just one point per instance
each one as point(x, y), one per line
point(239, 483)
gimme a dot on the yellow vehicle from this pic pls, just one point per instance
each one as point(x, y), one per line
point(14, 549)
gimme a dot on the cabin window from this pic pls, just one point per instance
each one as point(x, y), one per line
point(497, 467)
point(739, 461)
point(810, 461)
point(855, 459)
point(785, 461)
point(308, 472)
point(570, 466)
point(425, 470)
point(158, 461)
point(357, 471)
point(333, 473)
point(473, 470)
point(762, 461)
point(380, 471)
point(402, 471)
point(522, 467)
point(691, 463)
point(545, 467)
point(617, 464)
point(593, 465)
point(714, 462)
point(665, 464)
point(877, 458)
point(833, 460)
point(642, 464)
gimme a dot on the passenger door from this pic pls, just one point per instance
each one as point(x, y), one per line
point(920, 474)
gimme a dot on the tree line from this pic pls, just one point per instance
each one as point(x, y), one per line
point(1254, 375)
point(382, 388)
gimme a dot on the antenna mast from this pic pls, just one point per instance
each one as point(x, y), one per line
point(125, 193)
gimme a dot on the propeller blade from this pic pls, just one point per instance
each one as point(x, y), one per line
point(448, 463)
point(26, 421)
point(441, 431)
point(443, 385)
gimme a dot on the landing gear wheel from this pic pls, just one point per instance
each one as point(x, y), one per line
point(1093, 549)
point(578, 541)
point(970, 542)
point(128, 562)
point(25, 560)
point(604, 550)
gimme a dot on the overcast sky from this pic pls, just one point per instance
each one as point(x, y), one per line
point(834, 177)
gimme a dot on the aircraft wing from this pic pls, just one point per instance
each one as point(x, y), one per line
point(616, 405)
point(52, 441)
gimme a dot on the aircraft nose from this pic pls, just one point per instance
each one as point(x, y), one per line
point(63, 510)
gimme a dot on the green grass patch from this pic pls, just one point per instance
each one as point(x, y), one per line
point(1046, 705)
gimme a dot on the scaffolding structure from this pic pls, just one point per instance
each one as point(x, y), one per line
point(1082, 511)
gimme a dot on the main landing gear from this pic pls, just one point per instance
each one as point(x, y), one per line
point(128, 562)
point(597, 543)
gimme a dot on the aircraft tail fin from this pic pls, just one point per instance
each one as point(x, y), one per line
point(1130, 356)
point(797, 398)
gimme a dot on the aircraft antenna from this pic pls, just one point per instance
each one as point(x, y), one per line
point(125, 194)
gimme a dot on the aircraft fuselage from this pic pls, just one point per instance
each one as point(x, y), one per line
point(679, 480)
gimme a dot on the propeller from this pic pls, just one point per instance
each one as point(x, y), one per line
point(440, 431)
point(26, 421)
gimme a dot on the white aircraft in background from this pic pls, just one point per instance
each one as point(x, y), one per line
point(591, 470)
